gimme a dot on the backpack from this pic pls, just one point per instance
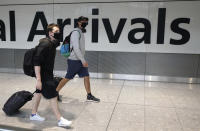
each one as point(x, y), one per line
point(28, 66)
point(65, 47)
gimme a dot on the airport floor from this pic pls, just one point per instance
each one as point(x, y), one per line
point(125, 106)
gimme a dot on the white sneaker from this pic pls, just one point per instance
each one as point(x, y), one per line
point(37, 117)
point(64, 122)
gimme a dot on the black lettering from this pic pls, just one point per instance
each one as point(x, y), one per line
point(2, 31)
point(12, 26)
point(95, 26)
point(95, 11)
point(38, 16)
point(62, 25)
point(176, 29)
point(161, 25)
point(147, 31)
point(95, 30)
point(113, 38)
point(75, 23)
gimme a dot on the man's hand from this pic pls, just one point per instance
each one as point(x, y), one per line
point(39, 85)
point(85, 64)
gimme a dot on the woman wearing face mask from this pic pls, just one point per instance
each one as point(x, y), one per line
point(76, 61)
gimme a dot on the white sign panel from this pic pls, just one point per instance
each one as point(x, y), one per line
point(16, 25)
point(165, 27)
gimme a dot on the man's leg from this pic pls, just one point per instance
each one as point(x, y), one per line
point(61, 84)
point(87, 84)
point(36, 102)
point(61, 121)
point(88, 90)
point(34, 116)
point(54, 106)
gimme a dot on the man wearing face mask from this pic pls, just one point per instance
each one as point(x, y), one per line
point(44, 64)
point(76, 61)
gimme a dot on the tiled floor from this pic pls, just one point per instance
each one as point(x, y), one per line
point(124, 106)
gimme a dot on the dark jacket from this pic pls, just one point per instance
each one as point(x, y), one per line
point(45, 57)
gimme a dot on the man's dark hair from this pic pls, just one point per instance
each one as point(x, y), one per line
point(50, 27)
point(81, 18)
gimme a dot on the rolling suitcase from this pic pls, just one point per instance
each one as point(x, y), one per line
point(16, 101)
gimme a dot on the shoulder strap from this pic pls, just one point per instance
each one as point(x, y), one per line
point(78, 32)
point(79, 37)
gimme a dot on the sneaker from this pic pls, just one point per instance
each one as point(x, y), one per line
point(64, 122)
point(36, 117)
point(92, 98)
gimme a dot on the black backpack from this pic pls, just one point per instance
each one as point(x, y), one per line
point(28, 66)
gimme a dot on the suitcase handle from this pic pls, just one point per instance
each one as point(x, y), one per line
point(34, 92)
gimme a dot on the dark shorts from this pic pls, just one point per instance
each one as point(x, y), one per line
point(76, 67)
point(49, 88)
